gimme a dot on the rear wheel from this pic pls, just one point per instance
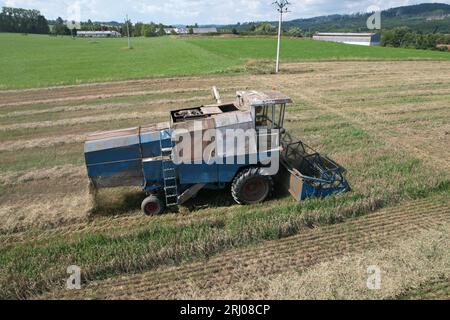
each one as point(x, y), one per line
point(250, 187)
point(153, 205)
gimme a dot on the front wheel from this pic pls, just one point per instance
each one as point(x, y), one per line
point(250, 187)
point(153, 205)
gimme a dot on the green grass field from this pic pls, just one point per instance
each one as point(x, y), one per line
point(37, 60)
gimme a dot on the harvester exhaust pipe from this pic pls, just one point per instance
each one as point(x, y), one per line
point(216, 95)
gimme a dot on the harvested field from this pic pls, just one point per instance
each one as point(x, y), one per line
point(387, 122)
point(247, 273)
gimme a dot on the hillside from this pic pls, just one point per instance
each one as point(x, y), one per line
point(427, 18)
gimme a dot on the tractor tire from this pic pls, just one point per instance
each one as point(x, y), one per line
point(153, 205)
point(250, 187)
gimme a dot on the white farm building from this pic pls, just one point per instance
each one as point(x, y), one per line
point(98, 34)
point(361, 39)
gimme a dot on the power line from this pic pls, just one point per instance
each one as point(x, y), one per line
point(282, 7)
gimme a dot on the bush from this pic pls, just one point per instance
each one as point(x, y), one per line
point(406, 38)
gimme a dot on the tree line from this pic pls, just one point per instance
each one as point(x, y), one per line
point(266, 28)
point(23, 21)
point(404, 37)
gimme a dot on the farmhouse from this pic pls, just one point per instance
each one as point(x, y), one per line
point(204, 30)
point(184, 31)
point(361, 39)
point(98, 34)
point(170, 31)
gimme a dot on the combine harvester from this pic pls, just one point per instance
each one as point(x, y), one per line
point(149, 157)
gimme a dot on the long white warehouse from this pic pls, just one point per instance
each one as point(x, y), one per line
point(361, 39)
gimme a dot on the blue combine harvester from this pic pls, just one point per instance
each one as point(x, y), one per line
point(150, 156)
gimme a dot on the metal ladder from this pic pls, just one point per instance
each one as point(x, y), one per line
point(168, 171)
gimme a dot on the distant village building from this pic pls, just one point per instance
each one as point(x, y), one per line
point(361, 39)
point(169, 30)
point(204, 30)
point(184, 31)
point(98, 34)
point(179, 31)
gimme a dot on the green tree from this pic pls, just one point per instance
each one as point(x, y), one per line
point(138, 29)
point(295, 32)
point(22, 20)
point(161, 32)
point(60, 27)
point(265, 28)
point(149, 30)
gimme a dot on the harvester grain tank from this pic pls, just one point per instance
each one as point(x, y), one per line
point(149, 156)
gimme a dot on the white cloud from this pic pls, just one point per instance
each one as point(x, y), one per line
point(201, 11)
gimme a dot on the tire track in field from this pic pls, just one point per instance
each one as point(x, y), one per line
point(308, 248)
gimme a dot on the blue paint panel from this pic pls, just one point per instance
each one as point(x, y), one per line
point(112, 155)
point(308, 191)
point(152, 171)
point(114, 169)
point(227, 172)
point(197, 173)
point(322, 191)
point(151, 149)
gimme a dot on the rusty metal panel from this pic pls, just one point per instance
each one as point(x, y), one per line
point(254, 98)
point(112, 134)
point(209, 110)
point(291, 181)
point(225, 119)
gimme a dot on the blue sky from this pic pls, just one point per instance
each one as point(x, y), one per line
point(200, 11)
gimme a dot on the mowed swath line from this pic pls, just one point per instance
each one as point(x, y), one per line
point(46, 124)
point(311, 247)
point(360, 118)
point(437, 289)
point(397, 97)
point(25, 176)
point(44, 213)
point(60, 95)
point(46, 142)
point(420, 126)
point(107, 106)
point(334, 70)
point(53, 137)
point(82, 120)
